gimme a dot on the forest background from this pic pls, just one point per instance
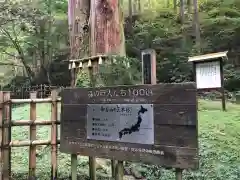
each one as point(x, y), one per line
point(34, 39)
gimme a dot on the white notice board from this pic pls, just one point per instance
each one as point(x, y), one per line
point(208, 75)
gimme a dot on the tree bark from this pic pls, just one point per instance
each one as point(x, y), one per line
point(78, 17)
point(107, 36)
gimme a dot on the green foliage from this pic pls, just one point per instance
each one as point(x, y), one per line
point(33, 33)
point(174, 43)
point(83, 79)
point(117, 71)
point(121, 71)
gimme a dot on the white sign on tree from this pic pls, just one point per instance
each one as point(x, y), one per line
point(208, 75)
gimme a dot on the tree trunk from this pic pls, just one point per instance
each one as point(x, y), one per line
point(130, 15)
point(107, 32)
point(182, 11)
point(107, 36)
point(139, 7)
point(175, 5)
point(196, 25)
point(78, 16)
point(189, 4)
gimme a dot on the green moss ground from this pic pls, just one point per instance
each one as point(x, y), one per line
point(219, 140)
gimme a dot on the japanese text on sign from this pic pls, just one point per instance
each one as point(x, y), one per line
point(122, 148)
point(120, 92)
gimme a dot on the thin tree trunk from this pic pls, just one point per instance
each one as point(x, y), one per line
point(130, 15)
point(49, 44)
point(175, 5)
point(196, 25)
point(189, 4)
point(139, 7)
point(182, 11)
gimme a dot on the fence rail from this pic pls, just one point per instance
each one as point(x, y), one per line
point(6, 125)
point(24, 91)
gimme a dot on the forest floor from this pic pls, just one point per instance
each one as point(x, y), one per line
point(219, 141)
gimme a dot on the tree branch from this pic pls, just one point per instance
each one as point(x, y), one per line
point(20, 52)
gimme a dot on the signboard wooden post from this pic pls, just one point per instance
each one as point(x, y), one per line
point(208, 73)
point(113, 123)
point(148, 66)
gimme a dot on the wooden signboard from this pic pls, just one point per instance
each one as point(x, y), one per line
point(154, 124)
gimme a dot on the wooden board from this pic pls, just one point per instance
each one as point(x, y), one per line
point(174, 118)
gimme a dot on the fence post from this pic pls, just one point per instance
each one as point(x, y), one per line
point(32, 148)
point(92, 160)
point(74, 166)
point(6, 136)
point(54, 134)
point(1, 133)
point(92, 168)
point(119, 171)
point(113, 167)
point(179, 174)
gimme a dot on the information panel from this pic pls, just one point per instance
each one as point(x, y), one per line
point(132, 123)
point(154, 124)
point(208, 75)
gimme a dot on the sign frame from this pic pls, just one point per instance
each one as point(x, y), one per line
point(175, 124)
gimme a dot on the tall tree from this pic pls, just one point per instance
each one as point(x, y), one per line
point(196, 25)
point(107, 36)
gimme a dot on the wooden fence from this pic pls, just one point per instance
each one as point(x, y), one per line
point(23, 92)
point(6, 124)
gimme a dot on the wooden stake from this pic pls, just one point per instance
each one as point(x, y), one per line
point(119, 171)
point(179, 174)
point(113, 167)
point(33, 134)
point(222, 86)
point(1, 134)
point(74, 166)
point(92, 160)
point(92, 168)
point(54, 133)
point(6, 137)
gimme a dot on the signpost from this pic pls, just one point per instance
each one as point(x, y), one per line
point(148, 57)
point(208, 72)
point(154, 124)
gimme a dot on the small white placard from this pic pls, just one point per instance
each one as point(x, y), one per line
point(131, 123)
point(208, 75)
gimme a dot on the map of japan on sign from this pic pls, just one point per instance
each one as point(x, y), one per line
point(132, 123)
